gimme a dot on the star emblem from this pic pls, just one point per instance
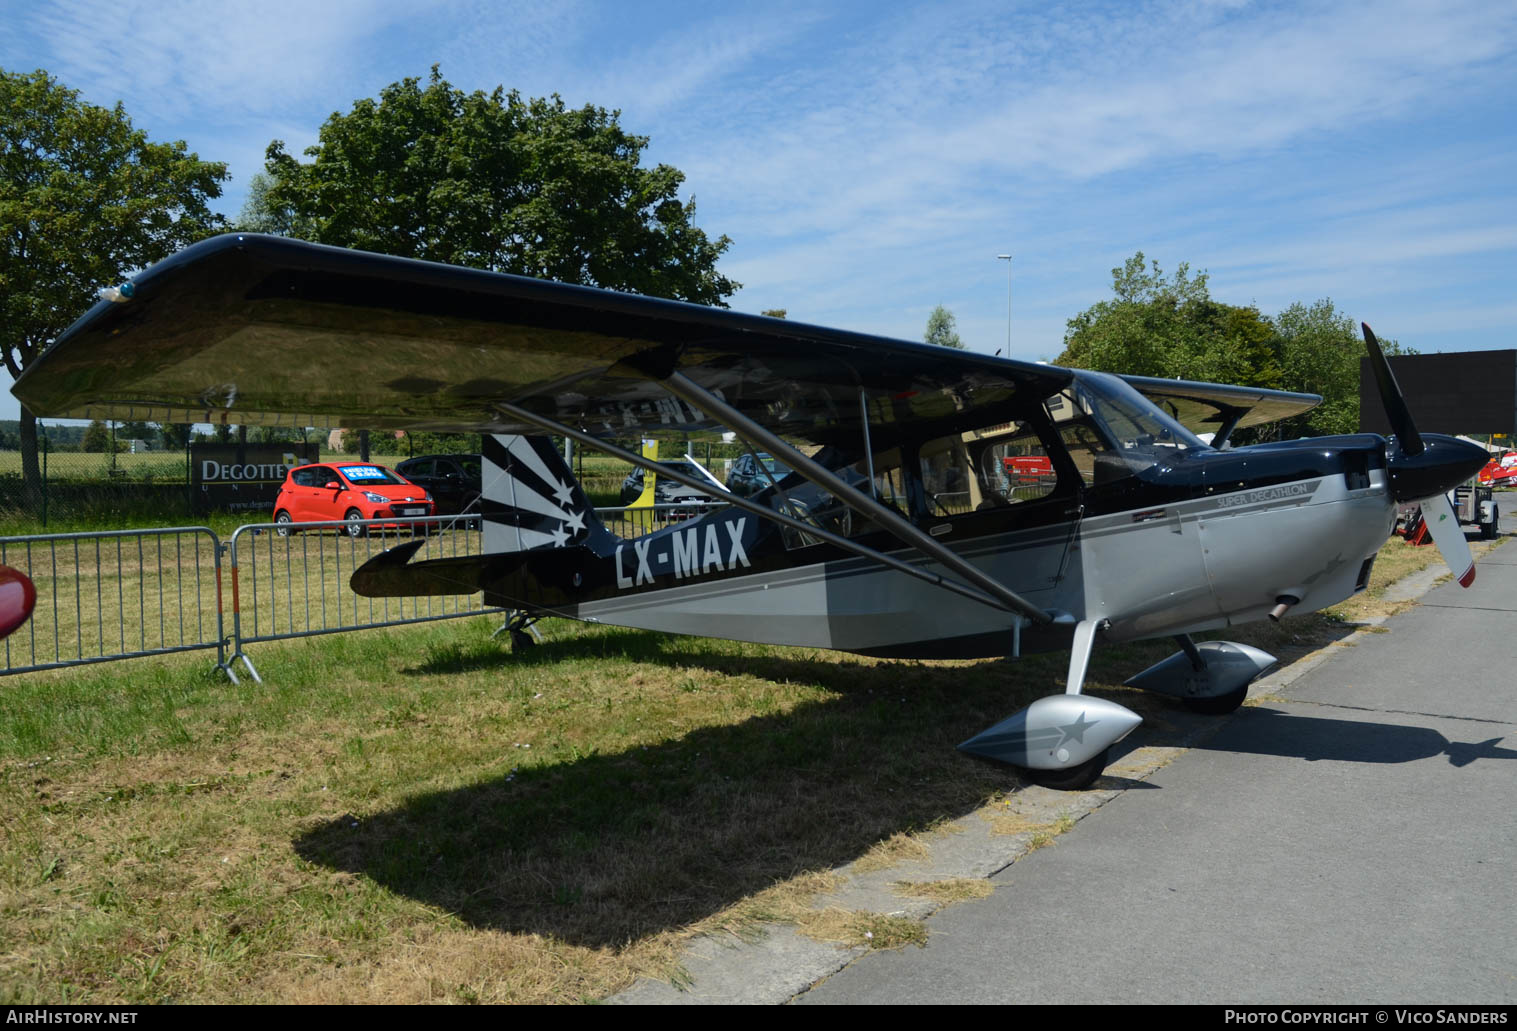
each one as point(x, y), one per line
point(559, 537)
point(575, 522)
point(1075, 731)
point(563, 492)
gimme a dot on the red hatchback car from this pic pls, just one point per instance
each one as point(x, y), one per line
point(350, 491)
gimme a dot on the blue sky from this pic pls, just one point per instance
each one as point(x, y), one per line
point(870, 160)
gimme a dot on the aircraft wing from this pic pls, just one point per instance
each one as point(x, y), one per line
point(1219, 407)
point(263, 330)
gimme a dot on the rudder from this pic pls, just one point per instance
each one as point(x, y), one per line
point(529, 499)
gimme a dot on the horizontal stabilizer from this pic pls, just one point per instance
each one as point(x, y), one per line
point(391, 574)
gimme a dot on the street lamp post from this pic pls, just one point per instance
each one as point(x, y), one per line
point(1007, 258)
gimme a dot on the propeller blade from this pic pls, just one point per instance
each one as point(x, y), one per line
point(1449, 536)
point(1390, 396)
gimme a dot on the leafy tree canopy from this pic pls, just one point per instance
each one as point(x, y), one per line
point(96, 438)
point(942, 329)
point(498, 182)
point(85, 199)
point(1170, 326)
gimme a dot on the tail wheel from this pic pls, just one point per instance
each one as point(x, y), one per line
point(355, 527)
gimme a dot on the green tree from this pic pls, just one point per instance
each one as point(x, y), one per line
point(941, 329)
point(1320, 349)
point(1158, 325)
point(499, 182)
point(97, 439)
point(263, 214)
point(775, 313)
point(134, 430)
point(176, 435)
point(84, 200)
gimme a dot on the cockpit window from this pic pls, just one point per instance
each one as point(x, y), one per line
point(1112, 430)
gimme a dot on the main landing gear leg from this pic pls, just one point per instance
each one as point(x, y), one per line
point(520, 624)
point(1062, 741)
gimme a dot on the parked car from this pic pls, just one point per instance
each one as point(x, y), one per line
point(452, 480)
point(350, 491)
point(668, 492)
point(753, 473)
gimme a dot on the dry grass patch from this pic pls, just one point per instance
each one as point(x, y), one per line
point(1395, 561)
point(898, 848)
point(948, 891)
point(855, 928)
point(1007, 819)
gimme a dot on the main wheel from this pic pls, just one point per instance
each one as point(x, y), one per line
point(282, 523)
point(1217, 705)
point(1075, 778)
point(521, 640)
point(1489, 531)
point(355, 527)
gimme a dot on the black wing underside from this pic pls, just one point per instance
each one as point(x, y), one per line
point(262, 330)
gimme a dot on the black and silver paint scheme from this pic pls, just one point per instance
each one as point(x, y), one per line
point(939, 503)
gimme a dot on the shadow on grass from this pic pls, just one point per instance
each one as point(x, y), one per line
point(608, 849)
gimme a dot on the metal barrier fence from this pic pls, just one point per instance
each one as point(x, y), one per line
point(291, 579)
point(129, 593)
point(116, 595)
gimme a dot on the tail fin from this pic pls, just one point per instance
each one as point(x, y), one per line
point(529, 499)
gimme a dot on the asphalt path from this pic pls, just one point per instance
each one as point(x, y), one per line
point(1350, 840)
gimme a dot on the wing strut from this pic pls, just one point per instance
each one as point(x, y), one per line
point(686, 389)
point(749, 505)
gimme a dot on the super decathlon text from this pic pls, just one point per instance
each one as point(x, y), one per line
point(17, 1016)
point(1253, 497)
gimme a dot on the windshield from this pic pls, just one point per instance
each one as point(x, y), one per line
point(1129, 418)
point(1109, 427)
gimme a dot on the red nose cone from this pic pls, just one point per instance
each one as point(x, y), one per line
point(17, 596)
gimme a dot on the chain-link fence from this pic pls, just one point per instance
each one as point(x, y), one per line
point(95, 486)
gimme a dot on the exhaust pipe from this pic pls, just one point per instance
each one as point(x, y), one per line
point(1282, 604)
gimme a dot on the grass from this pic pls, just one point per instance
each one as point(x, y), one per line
point(417, 814)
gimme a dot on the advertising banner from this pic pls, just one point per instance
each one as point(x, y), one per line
point(229, 478)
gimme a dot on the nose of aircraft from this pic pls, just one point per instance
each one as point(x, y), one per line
point(1443, 463)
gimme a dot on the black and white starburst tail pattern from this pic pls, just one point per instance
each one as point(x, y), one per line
point(530, 499)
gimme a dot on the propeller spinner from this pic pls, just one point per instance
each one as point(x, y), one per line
point(1425, 467)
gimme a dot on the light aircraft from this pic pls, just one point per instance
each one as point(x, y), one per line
point(941, 503)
